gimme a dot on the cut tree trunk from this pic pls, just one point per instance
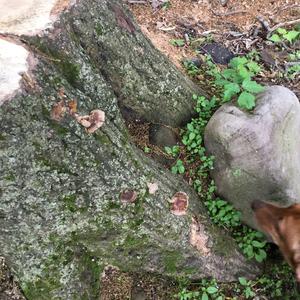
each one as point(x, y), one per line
point(75, 197)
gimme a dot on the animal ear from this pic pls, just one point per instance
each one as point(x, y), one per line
point(268, 217)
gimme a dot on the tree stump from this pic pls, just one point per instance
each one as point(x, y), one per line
point(75, 194)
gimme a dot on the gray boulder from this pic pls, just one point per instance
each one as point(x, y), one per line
point(257, 153)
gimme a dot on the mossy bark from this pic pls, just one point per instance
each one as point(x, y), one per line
point(61, 218)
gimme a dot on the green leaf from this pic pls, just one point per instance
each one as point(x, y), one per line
point(281, 31)
point(204, 296)
point(229, 74)
point(221, 82)
point(147, 150)
point(275, 38)
point(192, 135)
point(254, 67)
point(174, 170)
point(211, 290)
point(243, 72)
point(168, 150)
point(190, 127)
point(246, 100)
point(243, 281)
point(258, 244)
point(231, 89)
point(291, 35)
point(178, 42)
point(252, 86)
point(181, 169)
point(261, 255)
point(237, 61)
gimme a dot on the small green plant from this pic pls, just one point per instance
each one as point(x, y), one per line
point(191, 69)
point(166, 5)
point(282, 35)
point(147, 149)
point(178, 167)
point(247, 285)
point(237, 81)
point(187, 295)
point(173, 151)
point(210, 290)
point(294, 56)
point(293, 71)
point(223, 213)
point(207, 290)
point(177, 42)
point(252, 243)
point(192, 138)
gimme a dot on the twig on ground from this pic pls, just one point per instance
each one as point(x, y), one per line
point(229, 13)
point(265, 24)
point(167, 28)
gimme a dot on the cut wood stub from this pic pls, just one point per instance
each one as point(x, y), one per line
point(22, 17)
point(13, 62)
point(29, 16)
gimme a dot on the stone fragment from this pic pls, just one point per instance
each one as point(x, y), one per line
point(218, 53)
point(162, 136)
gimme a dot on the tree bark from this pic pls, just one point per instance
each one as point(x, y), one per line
point(73, 202)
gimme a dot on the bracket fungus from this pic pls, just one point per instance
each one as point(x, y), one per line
point(179, 203)
point(128, 196)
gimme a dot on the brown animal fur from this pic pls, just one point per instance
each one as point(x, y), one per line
point(283, 225)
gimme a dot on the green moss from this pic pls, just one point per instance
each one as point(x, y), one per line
point(222, 245)
point(102, 138)
point(190, 271)
point(113, 205)
point(70, 202)
point(2, 137)
point(41, 289)
point(99, 29)
point(59, 129)
point(69, 70)
point(90, 271)
point(10, 177)
point(171, 260)
point(132, 242)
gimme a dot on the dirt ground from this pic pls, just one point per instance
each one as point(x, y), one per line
point(205, 17)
